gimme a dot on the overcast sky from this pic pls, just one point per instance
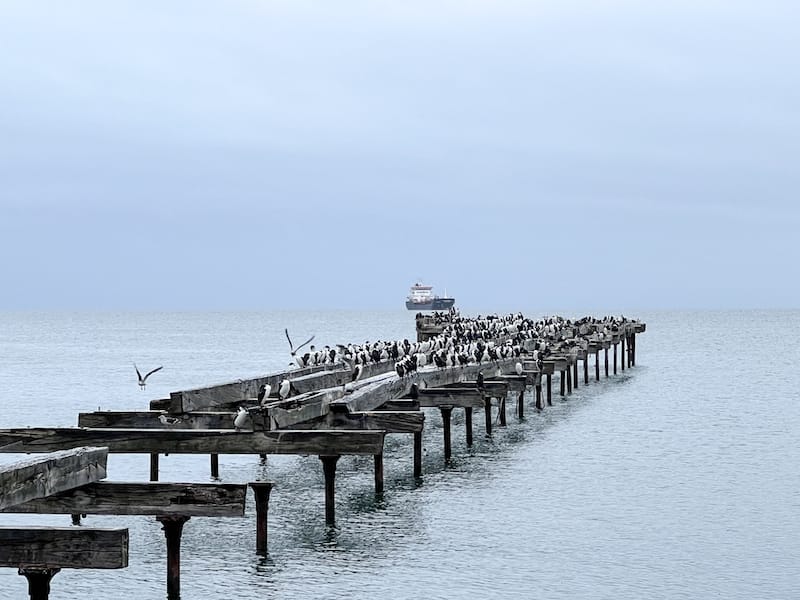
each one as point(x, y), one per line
point(258, 155)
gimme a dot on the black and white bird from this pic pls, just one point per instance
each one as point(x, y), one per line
point(241, 418)
point(143, 380)
point(285, 389)
point(263, 393)
point(357, 373)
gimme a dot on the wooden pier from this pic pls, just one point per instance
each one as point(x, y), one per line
point(341, 403)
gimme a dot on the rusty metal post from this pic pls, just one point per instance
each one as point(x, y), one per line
point(329, 468)
point(447, 412)
point(154, 467)
point(417, 454)
point(487, 413)
point(378, 472)
point(173, 529)
point(38, 581)
point(575, 374)
point(261, 490)
point(215, 466)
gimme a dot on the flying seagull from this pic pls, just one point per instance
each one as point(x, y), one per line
point(143, 380)
point(292, 349)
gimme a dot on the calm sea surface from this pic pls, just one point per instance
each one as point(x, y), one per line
point(678, 479)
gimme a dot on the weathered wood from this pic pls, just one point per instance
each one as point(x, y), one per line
point(516, 383)
point(151, 419)
point(448, 396)
point(63, 547)
point(303, 380)
point(383, 388)
point(191, 441)
point(491, 387)
point(45, 475)
point(118, 498)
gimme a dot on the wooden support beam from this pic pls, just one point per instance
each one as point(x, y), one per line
point(516, 383)
point(153, 419)
point(118, 498)
point(46, 475)
point(63, 547)
point(190, 441)
point(451, 396)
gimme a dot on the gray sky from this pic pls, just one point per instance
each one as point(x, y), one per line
point(562, 154)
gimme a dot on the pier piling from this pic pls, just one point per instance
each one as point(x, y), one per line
point(468, 424)
point(261, 491)
point(38, 581)
point(173, 530)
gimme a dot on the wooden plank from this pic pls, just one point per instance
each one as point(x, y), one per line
point(492, 387)
point(235, 391)
point(150, 419)
point(121, 498)
point(63, 547)
point(516, 383)
point(402, 421)
point(41, 476)
point(193, 441)
point(447, 396)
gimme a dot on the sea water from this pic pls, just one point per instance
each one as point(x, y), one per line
point(678, 478)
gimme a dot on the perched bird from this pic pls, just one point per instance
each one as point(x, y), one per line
point(165, 420)
point(263, 393)
point(285, 389)
point(518, 368)
point(480, 381)
point(143, 380)
point(357, 373)
point(240, 419)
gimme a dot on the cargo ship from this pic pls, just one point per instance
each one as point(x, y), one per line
point(422, 298)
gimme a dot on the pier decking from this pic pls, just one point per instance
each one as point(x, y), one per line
point(345, 404)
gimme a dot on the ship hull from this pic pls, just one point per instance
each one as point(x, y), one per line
point(435, 304)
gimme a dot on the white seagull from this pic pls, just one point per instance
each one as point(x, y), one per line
point(143, 380)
